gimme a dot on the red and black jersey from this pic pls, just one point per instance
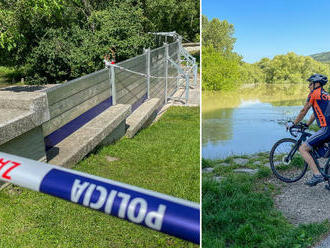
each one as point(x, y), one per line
point(320, 99)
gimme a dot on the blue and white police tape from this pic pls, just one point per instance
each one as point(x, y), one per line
point(154, 210)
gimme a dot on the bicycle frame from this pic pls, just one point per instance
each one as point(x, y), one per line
point(302, 138)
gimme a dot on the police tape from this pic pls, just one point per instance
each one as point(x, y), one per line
point(151, 209)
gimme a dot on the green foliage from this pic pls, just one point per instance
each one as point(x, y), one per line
point(181, 16)
point(237, 212)
point(69, 53)
point(251, 74)
point(218, 34)
point(153, 159)
point(224, 70)
point(56, 40)
point(220, 72)
point(291, 68)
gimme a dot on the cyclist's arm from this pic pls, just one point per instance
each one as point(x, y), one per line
point(310, 121)
point(302, 113)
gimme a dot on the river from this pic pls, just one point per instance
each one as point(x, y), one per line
point(248, 120)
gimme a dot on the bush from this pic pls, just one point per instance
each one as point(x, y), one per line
point(67, 53)
point(220, 72)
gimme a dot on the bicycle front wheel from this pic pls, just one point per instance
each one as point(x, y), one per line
point(286, 162)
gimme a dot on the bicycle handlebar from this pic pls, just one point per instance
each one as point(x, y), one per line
point(299, 128)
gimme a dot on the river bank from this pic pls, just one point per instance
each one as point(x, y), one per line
point(244, 205)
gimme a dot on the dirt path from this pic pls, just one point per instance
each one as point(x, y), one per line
point(302, 204)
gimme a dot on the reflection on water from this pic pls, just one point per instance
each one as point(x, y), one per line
point(249, 120)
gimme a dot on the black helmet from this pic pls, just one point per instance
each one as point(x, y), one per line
point(318, 78)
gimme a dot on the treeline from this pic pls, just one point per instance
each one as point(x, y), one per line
point(224, 69)
point(49, 41)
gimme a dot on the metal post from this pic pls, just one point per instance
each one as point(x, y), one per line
point(147, 52)
point(195, 75)
point(113, 85)
point(187, 87)
point(166, 70)
point(180, 47)
point(179, 62)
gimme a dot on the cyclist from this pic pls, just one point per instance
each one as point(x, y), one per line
point(319, 100)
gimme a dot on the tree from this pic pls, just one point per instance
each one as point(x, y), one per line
point(219, 72)
point(181, 16)
point(218, 34)
point(64, 53)
point(291, 68)
point(53, 40)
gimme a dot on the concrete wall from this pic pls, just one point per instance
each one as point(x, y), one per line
point(71, 99)
point(29, 145)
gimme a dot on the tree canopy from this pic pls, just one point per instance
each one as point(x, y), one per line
point(223, 69)
point(53, 40)
point(218, 34)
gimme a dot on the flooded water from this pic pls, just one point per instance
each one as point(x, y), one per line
point(248, 120)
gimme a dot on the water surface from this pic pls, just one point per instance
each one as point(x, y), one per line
point(248, 120)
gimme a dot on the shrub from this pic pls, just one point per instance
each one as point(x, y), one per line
point(66, 53)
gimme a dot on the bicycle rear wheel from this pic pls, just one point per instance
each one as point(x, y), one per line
point(287, 168)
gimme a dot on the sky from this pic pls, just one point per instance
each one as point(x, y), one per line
point(265, 28)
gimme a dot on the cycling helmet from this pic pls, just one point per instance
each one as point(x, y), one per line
point(318, 78)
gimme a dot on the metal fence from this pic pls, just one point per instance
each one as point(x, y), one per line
point(157, 73)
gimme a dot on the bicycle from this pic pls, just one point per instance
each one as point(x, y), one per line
point(286, 162)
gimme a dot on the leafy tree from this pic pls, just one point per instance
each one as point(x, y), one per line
point(68, 53)
point(291, 68)
point(222, 68)
point(181, 16)
point(219, 72)
point(218, 34)
point(60, 39)
point(251, 74)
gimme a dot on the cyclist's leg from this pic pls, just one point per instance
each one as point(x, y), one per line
point(305, 153)
point(315, 140)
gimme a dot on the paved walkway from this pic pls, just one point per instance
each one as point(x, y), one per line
point(194, 95)
point(194, 98)
point(324, 244)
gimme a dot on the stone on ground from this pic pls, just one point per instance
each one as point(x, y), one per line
point(208, 170)
point(223, 164)
point(218, 178)
point(111, 159)
point(246, 170)
point(241, 161)
point(257, 163)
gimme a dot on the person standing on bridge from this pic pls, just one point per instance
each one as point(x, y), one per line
point(319, 100)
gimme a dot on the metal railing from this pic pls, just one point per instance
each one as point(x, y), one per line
point(156, 73)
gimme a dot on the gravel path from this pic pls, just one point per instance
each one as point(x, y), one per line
point(324, 244)
point(302, 204)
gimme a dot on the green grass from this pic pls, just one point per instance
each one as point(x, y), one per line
point(163, 157)
point(9, 76)
point(239, 212)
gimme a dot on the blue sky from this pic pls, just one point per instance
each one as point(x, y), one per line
point(265, 28)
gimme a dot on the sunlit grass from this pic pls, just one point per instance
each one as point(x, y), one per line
point(163, 157)
point(239, 210)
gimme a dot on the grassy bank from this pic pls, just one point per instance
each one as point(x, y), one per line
point(239, 211)
point(163, 157)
